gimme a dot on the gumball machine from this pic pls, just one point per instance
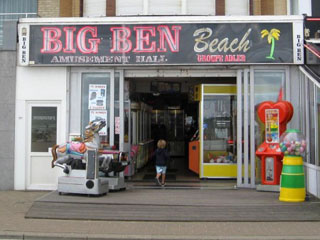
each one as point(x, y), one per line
point(275, 116)
point(292, 182)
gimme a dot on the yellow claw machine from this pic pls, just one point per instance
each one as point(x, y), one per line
point(217, 130)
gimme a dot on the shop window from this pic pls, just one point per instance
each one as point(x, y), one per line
point(95, 101)
point(43, 128)
point(268, 86)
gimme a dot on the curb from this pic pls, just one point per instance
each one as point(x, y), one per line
point(74, 236)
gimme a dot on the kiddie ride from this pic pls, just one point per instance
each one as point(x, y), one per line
point(88, 170)
point(275, 116)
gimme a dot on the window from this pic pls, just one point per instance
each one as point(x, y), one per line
point(268, 86)
point(12, 10)
point(95, 101)
point(43, 128)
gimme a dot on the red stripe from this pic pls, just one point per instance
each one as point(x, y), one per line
point(313, 50)
point(313, 19)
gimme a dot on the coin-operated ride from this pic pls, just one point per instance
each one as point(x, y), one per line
point(275, 116)
point(292, 186)
point(83, 164)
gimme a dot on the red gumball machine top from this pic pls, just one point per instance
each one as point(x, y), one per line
point(293, 143)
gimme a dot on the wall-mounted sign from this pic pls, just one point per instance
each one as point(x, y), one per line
point(23, 45)
point(165, 44)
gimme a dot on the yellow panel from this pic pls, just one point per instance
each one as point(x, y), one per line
point(229, 89)
point(220, 171)
point(197, 93)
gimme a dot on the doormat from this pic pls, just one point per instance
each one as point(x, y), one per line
point(173, 212)
point(194, 205)
point(152, 176)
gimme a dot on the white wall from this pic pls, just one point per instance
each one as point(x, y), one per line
point(165, 7)
point(36, 84)
point(95, 8)
point(299, 7)
point(237, 7)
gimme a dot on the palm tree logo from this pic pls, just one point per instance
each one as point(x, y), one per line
point(273, 34)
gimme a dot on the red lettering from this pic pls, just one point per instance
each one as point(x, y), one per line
point(50, 39)
point(143, 39)
point(93, 42)
point(165, 34)
point(120, 40)
point(69, 48)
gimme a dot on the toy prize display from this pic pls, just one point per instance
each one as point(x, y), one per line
point(293, 145)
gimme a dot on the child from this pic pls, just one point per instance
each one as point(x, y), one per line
point(161, 160)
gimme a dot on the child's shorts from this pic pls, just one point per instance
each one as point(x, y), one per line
point(161, 169)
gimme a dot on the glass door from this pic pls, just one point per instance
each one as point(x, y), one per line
point(98, 94)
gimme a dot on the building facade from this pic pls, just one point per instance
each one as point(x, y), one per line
point(50, 85)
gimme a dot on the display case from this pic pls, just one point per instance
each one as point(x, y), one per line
point(218, 131)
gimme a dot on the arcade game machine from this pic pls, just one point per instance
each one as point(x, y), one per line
point(217, 132)
point(275, 116)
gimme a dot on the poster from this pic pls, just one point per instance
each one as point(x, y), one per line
point(100, 114)
point(117, 125)
point(272, 125)
point(97, 96)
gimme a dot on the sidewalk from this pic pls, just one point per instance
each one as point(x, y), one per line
point(15, 204)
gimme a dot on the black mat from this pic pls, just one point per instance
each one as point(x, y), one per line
point(176, 205)
point(128, 212)
point(169, 177)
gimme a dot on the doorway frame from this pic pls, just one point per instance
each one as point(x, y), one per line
point(76, 75)
point(245, 86)
point(29, 154)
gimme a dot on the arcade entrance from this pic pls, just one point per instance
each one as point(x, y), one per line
point(173, 109)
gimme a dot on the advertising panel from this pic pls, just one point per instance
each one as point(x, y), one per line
point(162, 44)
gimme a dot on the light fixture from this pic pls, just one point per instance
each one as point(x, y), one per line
point(24, 31)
